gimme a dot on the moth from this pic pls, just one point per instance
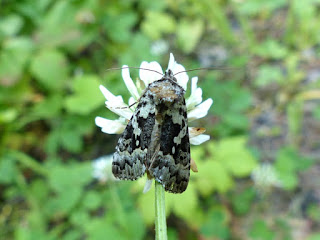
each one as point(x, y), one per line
point(156, 139)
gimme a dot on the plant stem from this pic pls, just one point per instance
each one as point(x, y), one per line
point(161, 225)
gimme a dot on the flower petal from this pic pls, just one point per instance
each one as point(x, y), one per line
point(147, 185)
point(129, 83)
point(131, 101)
point(172, 62)
point(149, 76)
point(200, 111)
point(119, 108)
point(182, 78)
point(196, 94)
point(199, 139)
point(110, 126)
point(109, 96)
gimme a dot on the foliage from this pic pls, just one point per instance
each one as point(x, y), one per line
point(53, 57)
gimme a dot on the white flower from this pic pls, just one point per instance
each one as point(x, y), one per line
point(102, 168)
point(264, 177)
point(150, 72)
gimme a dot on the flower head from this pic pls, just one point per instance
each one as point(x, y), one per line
point(196, 108)
point(265, 177)
point(102, 168)
point(150, 72)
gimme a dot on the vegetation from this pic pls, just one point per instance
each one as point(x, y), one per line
point(258, 175)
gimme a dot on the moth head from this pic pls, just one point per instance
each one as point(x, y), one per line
point(169, 75)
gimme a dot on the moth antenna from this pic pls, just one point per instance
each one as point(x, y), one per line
point(209, 68)
point(151, 70)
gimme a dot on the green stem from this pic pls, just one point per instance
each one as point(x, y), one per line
point(161, 225)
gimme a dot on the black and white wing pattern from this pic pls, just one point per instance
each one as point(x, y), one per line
point(156, 139)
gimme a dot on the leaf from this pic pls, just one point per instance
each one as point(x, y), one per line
point(92, 200)
point(8, 170)
point(271, 49)
point(189, 33)
point(86, 96)
point(214, 176)
point(234, 155)
point(63, 178)
point(61, 204)
point(120, 31)
point(13, 57)
point(50, 68)
point(10, 25)
point(80, 218)
point(241, 202)
point(268, 74)
point(158, 23)
point(217, 224)
point(146, 206)
point(98, 229)
point(184, 205)
point(261, 231)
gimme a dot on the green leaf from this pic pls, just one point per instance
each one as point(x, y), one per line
point(100, 229)
point(214, 176)
point(295, 117)
point(146, 206)
point(217, 224)
point(66, 177)
point(86, 97)
point(314, 236)
point(288, 164)
point(61, 204)
point(316, 113)
point(260, 231)
point(13, 57)
point(158, 23)
point(8, 171)
point(268, 74)
point(271, 49)
point(184, 205)
point(79, 218)
point(189, 33)
point(252, 7)
point(241, 202)
point(234, 155)
point(50, 67)
point(119, 31)
point(10, 25)
point(92, 200)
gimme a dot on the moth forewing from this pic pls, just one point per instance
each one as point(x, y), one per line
point(156, 138)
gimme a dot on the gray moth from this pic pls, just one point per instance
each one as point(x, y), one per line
point(156, 139)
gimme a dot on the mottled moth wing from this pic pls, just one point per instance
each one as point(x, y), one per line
point(169, 153)
point(156, 139)
point(129, 160)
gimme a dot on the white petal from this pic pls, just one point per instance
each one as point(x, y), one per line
point(200, 111)
point(110, 126)
point(149, 76)
point(172, 62)
point(199, 139)
point(109, 96)
point(182, 78)
point(194, 82)
point(196, 94)
point(129, 83)
point(147, 186)
point(131, 101)
point(119, 108)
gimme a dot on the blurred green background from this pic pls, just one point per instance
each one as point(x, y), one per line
point(259, 175)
